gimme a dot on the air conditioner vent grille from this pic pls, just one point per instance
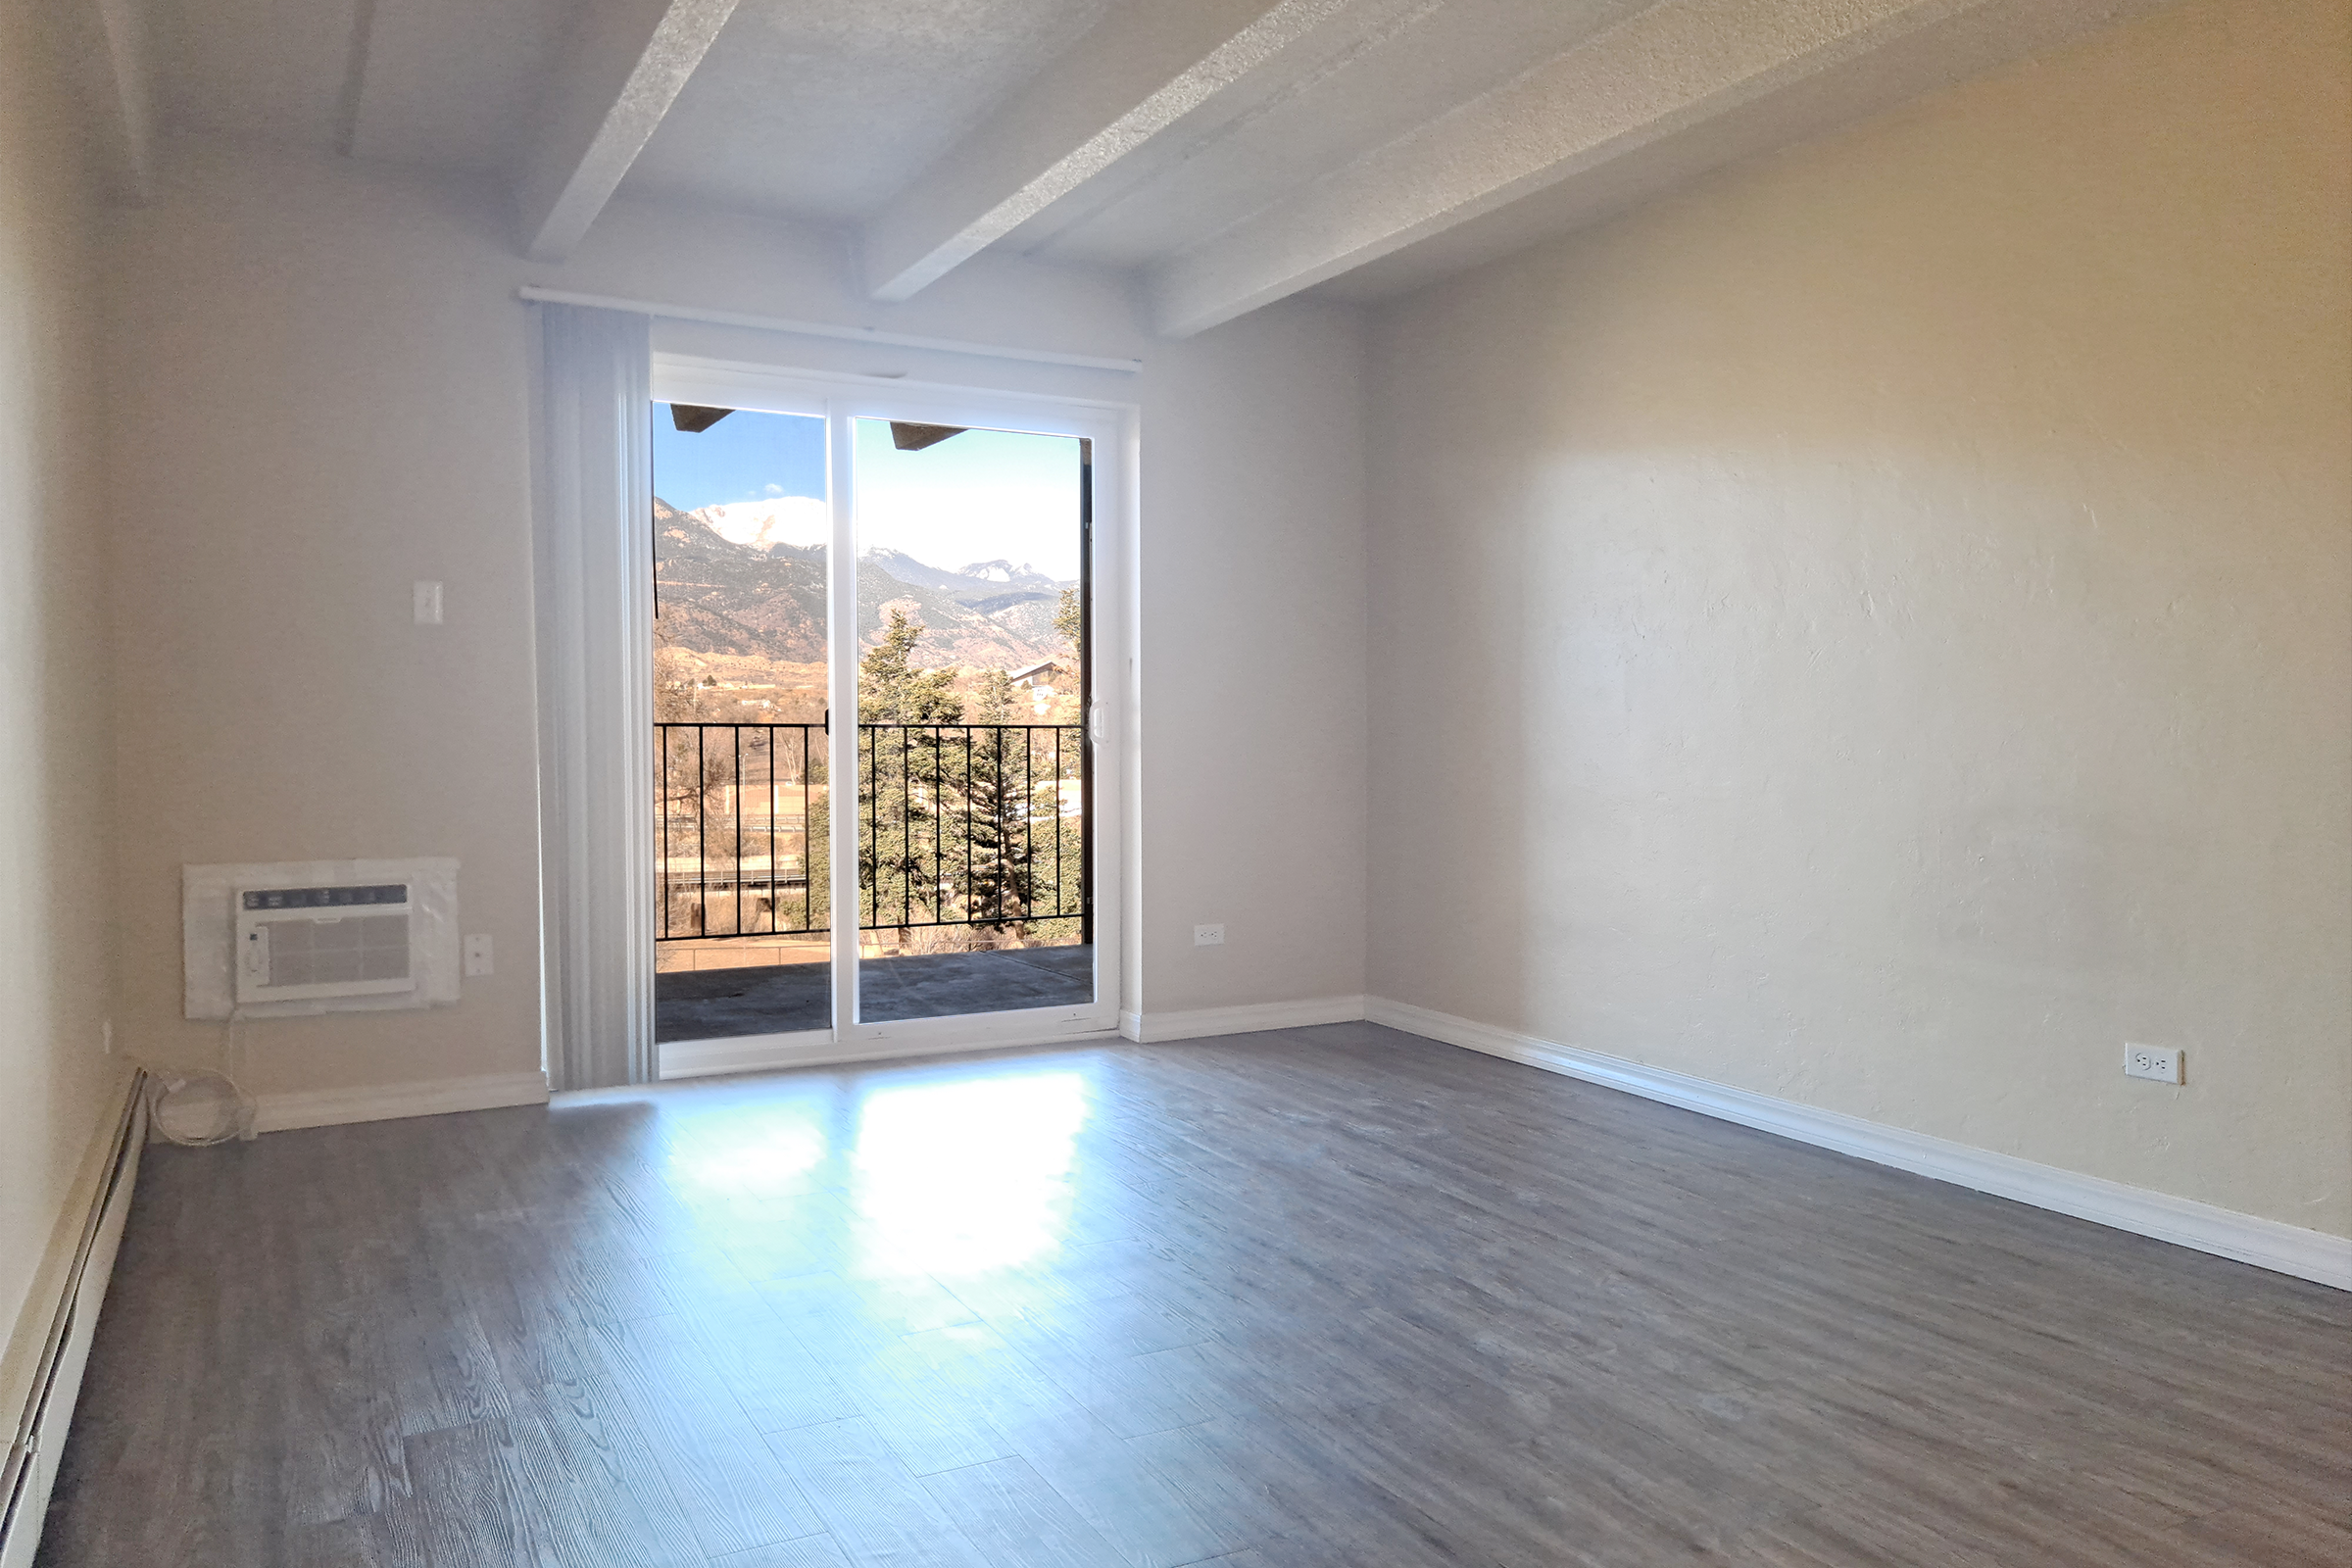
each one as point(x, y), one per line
point(312, 943)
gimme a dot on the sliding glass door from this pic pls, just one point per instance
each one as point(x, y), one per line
point(742, 527)
point(972, 688)
point(882, 802)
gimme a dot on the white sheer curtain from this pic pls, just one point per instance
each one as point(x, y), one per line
point(593, 574)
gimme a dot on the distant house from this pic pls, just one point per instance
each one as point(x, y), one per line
point(1044, 675)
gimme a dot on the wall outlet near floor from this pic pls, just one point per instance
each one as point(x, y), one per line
point(1208, 936)
point(426, 601)
point(477, 953)
point(2160, 1063)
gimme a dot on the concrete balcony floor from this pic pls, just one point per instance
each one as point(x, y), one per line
point(780, 998)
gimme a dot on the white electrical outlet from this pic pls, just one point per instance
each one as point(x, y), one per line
point(477, 953)
point(428, 604)
point(106, 1036)
point(2160, 1063)
point(1208, 936)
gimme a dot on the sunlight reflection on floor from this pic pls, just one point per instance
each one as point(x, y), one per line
point(961, 1178)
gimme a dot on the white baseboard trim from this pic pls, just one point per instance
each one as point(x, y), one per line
point(43, 1354)
point(2266, 1243)
point(432, 1097)
point(1201, 1022)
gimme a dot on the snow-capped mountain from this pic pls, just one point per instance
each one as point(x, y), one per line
point(747, 577)
point(984, 579)
point(796, 520)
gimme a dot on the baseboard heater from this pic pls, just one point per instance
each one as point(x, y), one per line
point(39, 1435)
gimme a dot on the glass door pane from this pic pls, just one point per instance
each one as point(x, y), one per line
point(741, 530)
point(974, 843)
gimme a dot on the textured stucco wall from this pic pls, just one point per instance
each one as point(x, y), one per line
point(54, 763)
point(1876, 627)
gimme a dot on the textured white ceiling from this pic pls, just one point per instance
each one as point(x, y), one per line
point(1231, 151)
point(825, 109)
point(1388, 67)
point(453, 82)
point(263, 70)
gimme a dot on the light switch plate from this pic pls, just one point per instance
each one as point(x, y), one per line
point(428, 604)
point(477, 953)
point(2157, 1063)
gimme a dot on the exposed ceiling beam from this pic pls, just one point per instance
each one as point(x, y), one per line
point(1131, 77)
point(620, 74)
point(1679, 87)
point(107, 49)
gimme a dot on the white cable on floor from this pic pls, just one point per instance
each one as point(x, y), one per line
point(165, 1082)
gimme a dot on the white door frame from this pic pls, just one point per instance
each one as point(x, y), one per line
point(840, 400)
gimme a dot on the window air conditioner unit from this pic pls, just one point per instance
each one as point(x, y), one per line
point(305, 943)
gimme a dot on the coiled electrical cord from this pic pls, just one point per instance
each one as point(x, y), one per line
point(165, 1082)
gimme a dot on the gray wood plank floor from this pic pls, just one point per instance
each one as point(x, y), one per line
point(1310, 1298)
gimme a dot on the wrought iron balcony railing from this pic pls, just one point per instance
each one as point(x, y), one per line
point(972, 825)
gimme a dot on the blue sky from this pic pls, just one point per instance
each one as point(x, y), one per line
point(743, 457)
point(985, 495)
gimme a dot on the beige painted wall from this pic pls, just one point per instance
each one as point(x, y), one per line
point(326, 385)
point(1876, 627)
point(55, 1085)
point(321, 399)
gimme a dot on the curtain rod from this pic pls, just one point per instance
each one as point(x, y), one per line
point(853, 334)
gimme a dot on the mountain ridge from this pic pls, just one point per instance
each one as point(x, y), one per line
point(717, 594)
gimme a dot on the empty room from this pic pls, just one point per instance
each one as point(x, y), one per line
point(1599, 766)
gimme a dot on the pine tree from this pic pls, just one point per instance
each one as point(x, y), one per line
point(960, 799)
point(891, 690)
point(998, 880)
point(992, 698)
point(901, 789)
